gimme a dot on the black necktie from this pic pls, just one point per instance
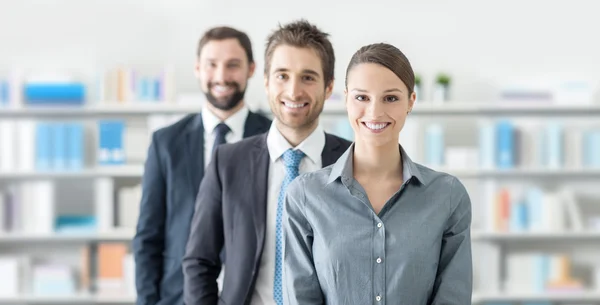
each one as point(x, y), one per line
point(221, 131)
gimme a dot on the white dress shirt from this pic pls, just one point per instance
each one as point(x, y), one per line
point(312, 147)
point(236, 123)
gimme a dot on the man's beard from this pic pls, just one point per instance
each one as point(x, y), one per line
point(229, 102)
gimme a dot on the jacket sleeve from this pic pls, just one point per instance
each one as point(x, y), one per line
point(148, 243)
point(301, 284)
point(202, 262)
point(454, 280)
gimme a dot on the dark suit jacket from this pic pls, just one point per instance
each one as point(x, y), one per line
point(172, 175)
point(231, 213)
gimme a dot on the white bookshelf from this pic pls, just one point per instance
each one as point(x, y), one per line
point(137, 171)
point(106, 109)
point(115, 236)
point(116, 171)
point(334, 109)
point(69, 299)
point(590, 236)
point(589, 296)
point(458, 108)
point(452, 108)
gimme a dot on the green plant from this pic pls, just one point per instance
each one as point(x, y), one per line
point(443, 79)
point(417, 80)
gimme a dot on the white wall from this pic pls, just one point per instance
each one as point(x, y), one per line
point(481, 43)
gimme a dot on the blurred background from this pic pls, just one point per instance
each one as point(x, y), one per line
point(508, 101)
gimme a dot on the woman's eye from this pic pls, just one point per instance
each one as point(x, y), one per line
point(360, 98)
point(391, 98)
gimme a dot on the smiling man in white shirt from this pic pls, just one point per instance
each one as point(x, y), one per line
point(240, 201)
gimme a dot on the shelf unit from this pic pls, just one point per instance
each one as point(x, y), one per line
point(591, 296)
point(331, 108)
point(591, 236)
point(79, 299)
point(117, 171)
point(136, 171)
point(61, 238)
point(334, 109)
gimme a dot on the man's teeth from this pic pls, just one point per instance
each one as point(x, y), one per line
point(293, 105)
point(221, 88)
point(376, 126)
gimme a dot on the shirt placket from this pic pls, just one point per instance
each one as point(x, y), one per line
point(379, 260)
point(378, 257)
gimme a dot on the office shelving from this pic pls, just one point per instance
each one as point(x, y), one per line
point(79, 299)
point(116, 171)
point(136, 171)
point(104, 109)
point(62, 238)
point(112, 109)
point(335, 110)
point(591, 296)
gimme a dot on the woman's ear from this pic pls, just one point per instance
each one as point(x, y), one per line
point(411, 101)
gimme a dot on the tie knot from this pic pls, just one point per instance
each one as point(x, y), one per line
point(222, 129)
point(292, 158)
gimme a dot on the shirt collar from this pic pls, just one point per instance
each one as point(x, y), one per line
point(235, 122)
point(343, 168)
point(312, 146)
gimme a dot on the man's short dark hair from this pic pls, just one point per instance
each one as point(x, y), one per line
point(225, 32)
point(302, 34)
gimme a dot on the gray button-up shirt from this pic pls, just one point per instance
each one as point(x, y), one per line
point(338, 251)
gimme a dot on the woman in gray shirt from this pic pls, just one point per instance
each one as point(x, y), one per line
point(375, 227)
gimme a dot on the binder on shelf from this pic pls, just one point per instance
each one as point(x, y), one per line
point(553, 149)
point(110, 142)
point(5, 93)
point(505, 145)
point(75, 146)
point(487, 146)
point(59, 146)
point(43, 145)
point(434, 141)
point(42, 93)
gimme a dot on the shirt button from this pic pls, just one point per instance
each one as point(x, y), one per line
point(379, 225)
point(378, 298)
point(379, 260)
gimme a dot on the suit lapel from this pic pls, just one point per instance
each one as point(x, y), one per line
point(331, 151)
point(252, 125)
point(259, 171)
point(194, 142)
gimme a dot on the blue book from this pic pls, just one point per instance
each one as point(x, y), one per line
point(111, 148)
point(535, 203)
point(554, 146)
point(54, 93)
point(59, 146)
point(505, 135)
point(519, 217)
point(595, 149)
point(75, 224)
point(487, 146)
point(4, 93)
point(541, 271)
point(43, 146)
point(157, 90)
point(75, 144)
point(434, 145)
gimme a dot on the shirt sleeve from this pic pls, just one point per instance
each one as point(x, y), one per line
point(454, 280)
point(301, 285)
